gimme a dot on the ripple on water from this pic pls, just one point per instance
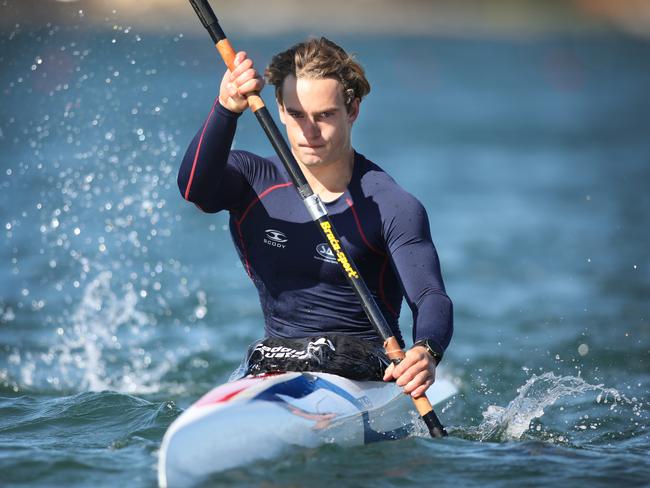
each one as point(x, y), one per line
point(58, 440)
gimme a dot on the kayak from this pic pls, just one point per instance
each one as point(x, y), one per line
point(259, 417)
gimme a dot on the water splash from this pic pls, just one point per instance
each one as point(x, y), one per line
point(537, 394)
point(95, 324)
point(107, 330)
point(105, 344)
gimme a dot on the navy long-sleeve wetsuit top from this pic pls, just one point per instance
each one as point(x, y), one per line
point(302, 289)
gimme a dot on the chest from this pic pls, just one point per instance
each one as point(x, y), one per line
point(276, 238)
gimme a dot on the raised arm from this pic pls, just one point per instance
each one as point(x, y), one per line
point(205, 177)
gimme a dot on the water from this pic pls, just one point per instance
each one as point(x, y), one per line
point(120, 304)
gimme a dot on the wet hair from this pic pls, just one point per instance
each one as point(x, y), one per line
point(318, 59)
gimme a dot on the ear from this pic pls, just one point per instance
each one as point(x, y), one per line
point(353, 111)
point(281, 111)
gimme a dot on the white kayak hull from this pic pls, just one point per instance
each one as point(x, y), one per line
point(260, 417)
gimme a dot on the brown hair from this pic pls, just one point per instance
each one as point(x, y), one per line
point(317, 59)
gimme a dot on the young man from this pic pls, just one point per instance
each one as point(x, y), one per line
point(302, 290)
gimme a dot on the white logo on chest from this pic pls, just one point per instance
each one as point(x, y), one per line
point(275, 238)
point(325, 252)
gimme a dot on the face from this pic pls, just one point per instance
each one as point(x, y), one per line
point(318, 124)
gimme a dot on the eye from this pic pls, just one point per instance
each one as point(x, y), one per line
point(295, 115)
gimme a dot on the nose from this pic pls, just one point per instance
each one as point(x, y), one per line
point(310, 129)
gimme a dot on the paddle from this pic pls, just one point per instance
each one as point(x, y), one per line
point(318, 213)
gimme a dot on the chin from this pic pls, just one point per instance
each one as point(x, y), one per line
point(312, 159)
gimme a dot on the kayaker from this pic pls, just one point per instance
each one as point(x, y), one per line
point(308, 306)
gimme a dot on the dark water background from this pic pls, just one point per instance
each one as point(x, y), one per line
point(120, 304)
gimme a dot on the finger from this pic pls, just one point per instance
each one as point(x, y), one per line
point(232, 91)
point(417, 356)
point(244, 76)
point(418, 380)
point(415, 368)
point(254, 85)
point(242, 67)
point(421, 390)
point(239, 57)
point(403, 366)
point(388, 374)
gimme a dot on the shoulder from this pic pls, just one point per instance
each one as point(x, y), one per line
point(385, 192)
point(247, 158)
point(404, 219)
point(256, 168)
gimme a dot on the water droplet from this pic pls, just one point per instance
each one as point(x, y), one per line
point(583, 349)
point(200, 312)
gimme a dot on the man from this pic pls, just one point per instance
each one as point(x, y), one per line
point(302, 290)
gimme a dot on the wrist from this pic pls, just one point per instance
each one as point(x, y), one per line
point(225, 109)
point(432, 348)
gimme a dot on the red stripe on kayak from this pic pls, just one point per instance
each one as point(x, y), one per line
point(220, 395)
point(224, 393)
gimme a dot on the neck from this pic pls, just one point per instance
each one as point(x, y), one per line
point(330, 180)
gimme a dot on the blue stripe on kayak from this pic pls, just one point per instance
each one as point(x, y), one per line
point(302, 386)
point(340, 392)
point(305, 384)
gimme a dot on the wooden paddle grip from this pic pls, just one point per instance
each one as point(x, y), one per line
point(228, 54)
point(393, 350)
point(423, 405)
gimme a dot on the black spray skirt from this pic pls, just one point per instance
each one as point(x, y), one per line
point(346, 356)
